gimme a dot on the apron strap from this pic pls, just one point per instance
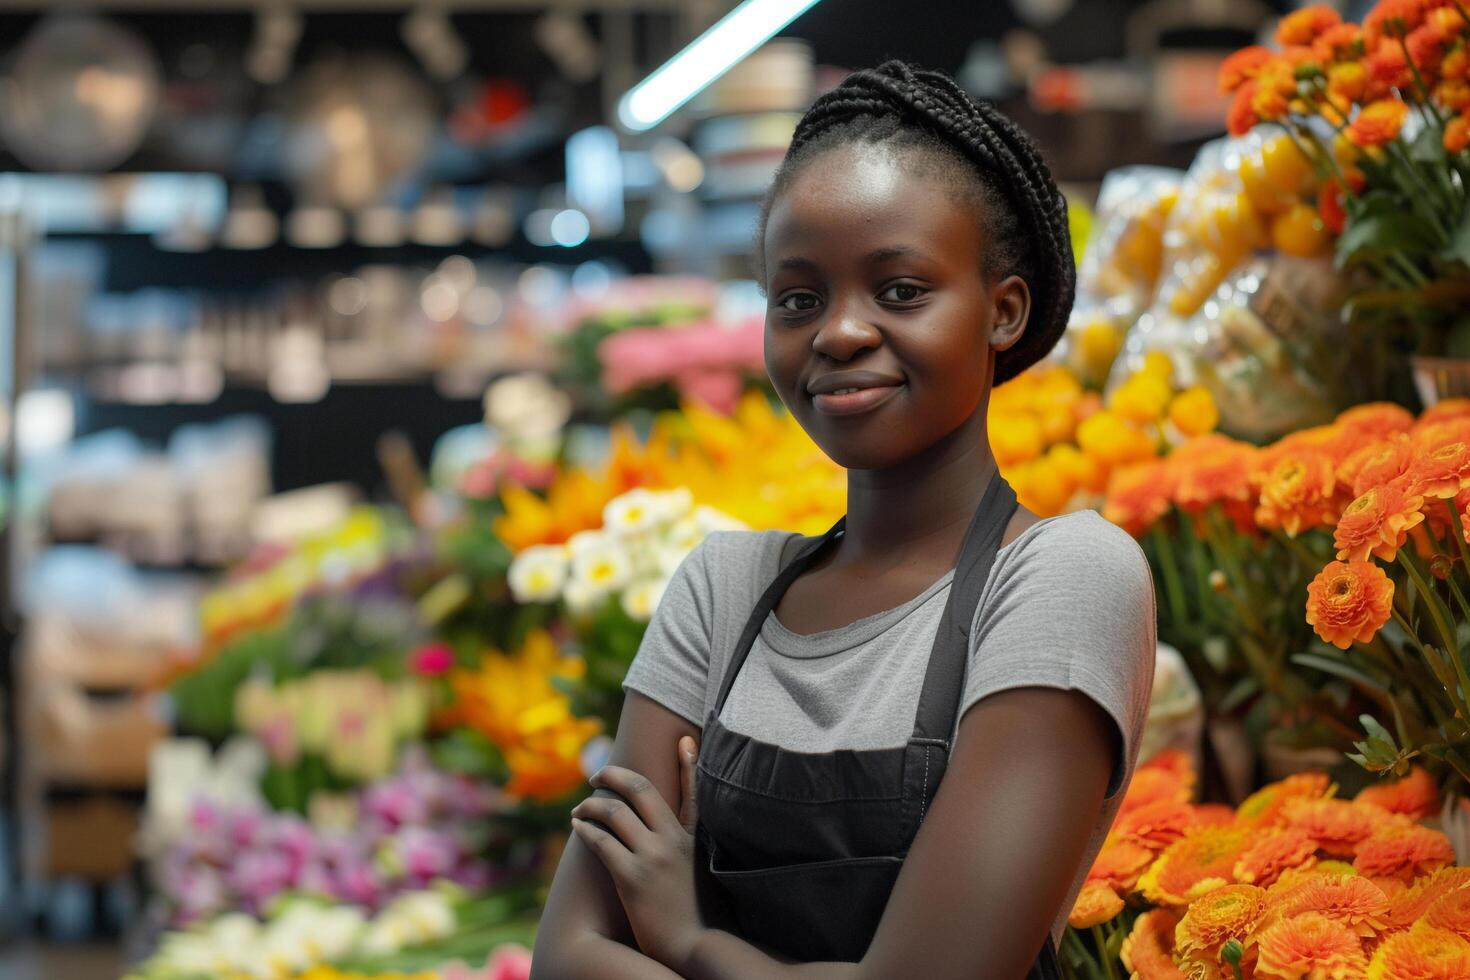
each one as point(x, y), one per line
point(768, 601)
point(944, 679)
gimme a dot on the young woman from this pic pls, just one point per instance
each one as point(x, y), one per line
point(914, 731)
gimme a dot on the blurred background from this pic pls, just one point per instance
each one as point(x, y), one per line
point(263, 264)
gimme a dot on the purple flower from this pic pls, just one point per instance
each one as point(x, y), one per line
point(260, 875)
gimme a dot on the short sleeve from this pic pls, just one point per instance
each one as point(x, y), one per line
point(672, 663)
point(1070, 605)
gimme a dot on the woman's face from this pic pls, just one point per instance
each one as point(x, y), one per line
point(880, 326)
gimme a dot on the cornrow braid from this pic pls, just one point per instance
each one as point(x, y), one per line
point(998, 166)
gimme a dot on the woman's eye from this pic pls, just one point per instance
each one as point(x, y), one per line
point(903, 292)
point(799, 302)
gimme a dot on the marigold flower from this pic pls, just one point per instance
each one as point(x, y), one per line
point(1096, 903)
point(1457, 133)
point(1155, 825)
point(1347, 898)
point(1414, 796)
point(1305, 25)
point(1451, 913)
point(1349, 602)
point(1242, 66)
point(1421, 953)
point(1139, 496)
point(1226, 913)
point(1403, 852)
point(1336, 825)
point(1377, 523)
point(1310, 945)
point(1200, 862)
point(1266, 806)
point(1297, 493)
point(1119, 863)
point(1340, 42)
point(1378, 122)
point(1148, 952)
point(1241, 116)
point(1273, 852)
point(1412, 902)
point(1376, 464)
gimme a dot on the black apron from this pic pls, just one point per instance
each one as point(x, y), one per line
point(798, 851)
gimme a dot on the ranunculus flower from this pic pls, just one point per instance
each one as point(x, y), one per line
point(1378, 122)
point(1148, 952)
point(1349, 602)
point(1442, 472)
point(1414, 796)
point(1451, 913)
point(1349, 899)
point(1242, 66)
point(1297, 492)
point(1309, 945)
point(1404, 852)
point(1199, 863)
point(1421, 953)
point(1226, 913)
point(1273, 852)
point(1305, 25)
point(1378, 523)
point(1096, 903)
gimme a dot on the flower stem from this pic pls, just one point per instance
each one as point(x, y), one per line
point(1102, 953)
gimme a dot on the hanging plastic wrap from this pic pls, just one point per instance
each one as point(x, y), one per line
point(1120, 266)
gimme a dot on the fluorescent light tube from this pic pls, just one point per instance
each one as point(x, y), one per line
point(706, 58)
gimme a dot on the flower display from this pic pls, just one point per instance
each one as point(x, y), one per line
point(1259, 896)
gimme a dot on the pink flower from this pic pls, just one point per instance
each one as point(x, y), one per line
point(705, 360)
point(509, 962)
point(431, 660)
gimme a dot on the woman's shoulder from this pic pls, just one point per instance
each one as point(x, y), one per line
point(1080, 545)
point(731, 560)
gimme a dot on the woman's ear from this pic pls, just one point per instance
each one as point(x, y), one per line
point(1012, 303)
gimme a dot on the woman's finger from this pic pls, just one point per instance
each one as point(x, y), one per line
point(616, 816)
point(688, 803)
point(606, 848)
point(641, 795)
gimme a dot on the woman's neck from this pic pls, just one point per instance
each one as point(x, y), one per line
point(923, 506)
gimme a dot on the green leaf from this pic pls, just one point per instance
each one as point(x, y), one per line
point(1338, 668)
point(1379, 233)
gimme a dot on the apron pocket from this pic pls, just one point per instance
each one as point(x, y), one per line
point(821, 911)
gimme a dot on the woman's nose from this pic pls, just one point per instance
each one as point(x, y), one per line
point(845, 333)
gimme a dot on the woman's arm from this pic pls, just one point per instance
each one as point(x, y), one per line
point(584, 931)
point(993, 860)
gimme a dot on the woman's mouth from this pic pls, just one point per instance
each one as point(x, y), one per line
point(854, 401)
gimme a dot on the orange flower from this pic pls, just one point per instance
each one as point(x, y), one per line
point(1336, 825)
point(1377, 419)
point(1153, 783)
point(1341, 42)
point(1453, 94)
point(1297, 493)
point(1457, 133)
point(1241, 116)
point(1388, 71)
point(1155, 825)
point(1265, 807)
point(1199, 863)
point(1242, 66)
point(1411, 903)
point(1213, 815)
point(1377, 523)
point(1350, 899)
point(1378, 122)
point(1224, 914)
point(1305, 25)
point(1376, 464)
point(1404, 852)
point(1421, 953)
point(1451, 913)
point(1119, 864)
point(1348, 80)
point(1194, 412)
point(1212, 469)
point(1349, 602)
point(1413, 796)
point(1456, 64)
point(1393, 19)
point(1426, 45)
point(1148, 952)
point(1310, 945)
point(1096, 903)
point(1275, 86)
point(1177, 762)
point(1441, 472)
point(1139, 496)
point(1273, 852)
point(1435, 431)
point(1445, 409)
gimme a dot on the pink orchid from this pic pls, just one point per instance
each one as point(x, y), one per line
point(707, 361)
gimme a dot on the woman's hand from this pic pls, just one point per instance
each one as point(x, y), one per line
point(649, 854)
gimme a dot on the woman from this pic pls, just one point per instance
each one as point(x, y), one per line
point(915, 252)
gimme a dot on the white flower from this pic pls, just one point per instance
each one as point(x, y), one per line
point(602, 570)
point(538, 574)
point(642, 598)
point(674, 504)
point(410, 920)
point(635, 512)
point(684, 534)
point(580, 599)
point(584, 541)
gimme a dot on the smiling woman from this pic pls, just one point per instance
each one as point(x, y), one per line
point(913, 731)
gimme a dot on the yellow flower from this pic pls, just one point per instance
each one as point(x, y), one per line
point(1196, 865)
point(1096, 903)
point(1112, 440)
point(1016, 438)
point(1142, 398)
point(1194, 412)
point(1226, 913)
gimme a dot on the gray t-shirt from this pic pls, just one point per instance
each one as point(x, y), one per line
point(1069, 604)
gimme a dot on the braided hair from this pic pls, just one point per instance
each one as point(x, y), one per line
point(993, 164)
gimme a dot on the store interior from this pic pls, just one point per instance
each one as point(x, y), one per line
point(326, 326)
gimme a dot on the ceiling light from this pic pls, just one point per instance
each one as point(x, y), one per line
point(705, 59)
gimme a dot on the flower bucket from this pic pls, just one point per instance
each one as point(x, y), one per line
point(1438, 378)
